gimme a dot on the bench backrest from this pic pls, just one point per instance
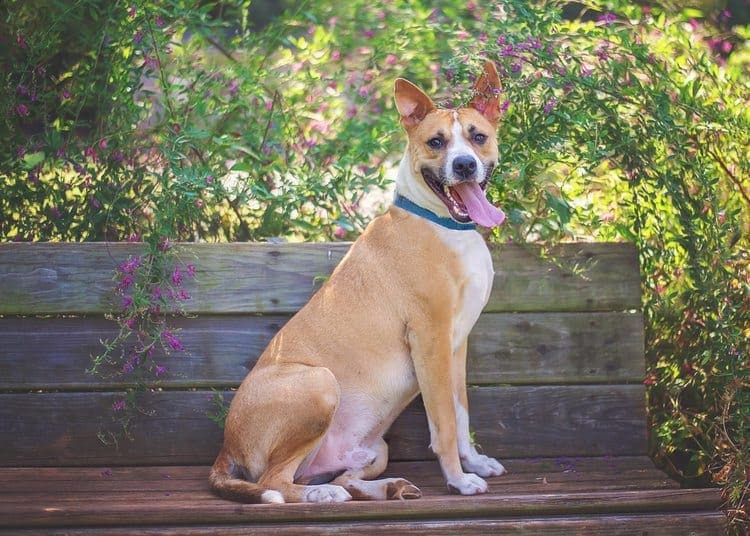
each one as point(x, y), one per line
point(556, 361)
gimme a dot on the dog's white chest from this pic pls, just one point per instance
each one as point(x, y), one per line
point(477, 274)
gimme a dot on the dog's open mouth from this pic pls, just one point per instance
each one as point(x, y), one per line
point(466, 201)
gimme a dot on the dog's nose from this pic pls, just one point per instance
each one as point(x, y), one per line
point(464, 166)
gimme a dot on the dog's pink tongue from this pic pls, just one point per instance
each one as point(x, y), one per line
point(482, 212)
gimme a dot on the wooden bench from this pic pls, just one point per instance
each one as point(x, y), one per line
point(556, 365)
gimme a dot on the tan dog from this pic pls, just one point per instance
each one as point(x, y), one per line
point(392, 321)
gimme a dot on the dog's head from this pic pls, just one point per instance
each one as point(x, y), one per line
point(452, 152)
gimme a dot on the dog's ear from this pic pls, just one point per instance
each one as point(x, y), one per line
point(412, 103)
point(486, 98)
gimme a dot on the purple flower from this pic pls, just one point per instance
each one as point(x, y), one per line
point(176, 276)
point(504, 106)
point(22, 110)
point(131, 11)
point(130, 323)
point(173, 342)
point(516, 67)
point(106, 473)
point(182, 295)
point(23, 90)
point(127, 301)
point(507, 50)
point(607, 18)
point(190, 269)
point(159, 370)
point(549, 105)
point(130, 265)
point(159, 21)
point(156, 293)
point(126, 281)
point(209, 179)
point(55, 212)
point(138, 37)
point(118, 405)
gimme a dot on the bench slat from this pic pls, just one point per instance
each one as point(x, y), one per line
point(201, 507)
point(524, 348)
point(668, 524)
point(60, 428)
point(51, 278)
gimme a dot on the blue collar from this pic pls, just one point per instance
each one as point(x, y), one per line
point(449, 223)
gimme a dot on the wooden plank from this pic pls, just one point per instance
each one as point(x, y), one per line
point(43, 278)
point(520, 466)
point(527, 476)
point(523, 348)
point(204, 509)
point(60, 428)
point(669, 524)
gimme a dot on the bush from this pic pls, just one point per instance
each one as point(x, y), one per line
point(163, 122)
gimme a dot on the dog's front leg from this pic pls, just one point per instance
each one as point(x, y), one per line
point(432, 354)
point(471, 460)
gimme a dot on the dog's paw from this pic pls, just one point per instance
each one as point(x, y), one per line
point(402, 489)
point(483, 465)
point(326, 493)
point(467, 484)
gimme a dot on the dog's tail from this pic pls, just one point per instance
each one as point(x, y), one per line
point(225, 481)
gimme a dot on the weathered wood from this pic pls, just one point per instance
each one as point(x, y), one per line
point(672, 524)
point(524, 348)
point(45, 278)
point(527, 476)
point(581, 466)
point(202, 508)
point(60, 428)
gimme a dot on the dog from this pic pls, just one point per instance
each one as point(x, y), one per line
point(392, 321)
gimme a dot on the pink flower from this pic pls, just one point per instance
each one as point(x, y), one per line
point(159, 21)
point(335, 55)
point(131, 11)
point(130, 323)
point(22, 110)
point(340, 232)
point(199, 203)
point(391, 59)
point(103, 144)
point(118, 405)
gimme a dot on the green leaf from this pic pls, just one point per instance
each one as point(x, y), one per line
point(32, 160)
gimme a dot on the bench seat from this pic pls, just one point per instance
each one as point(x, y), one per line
point(541, 495)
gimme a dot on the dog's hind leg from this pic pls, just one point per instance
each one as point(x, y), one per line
point(359, 485)
point(277, 420)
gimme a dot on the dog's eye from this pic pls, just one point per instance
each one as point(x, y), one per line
point(435, 143)
point(479, 138)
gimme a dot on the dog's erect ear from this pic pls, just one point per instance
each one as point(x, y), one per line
point(486, 98)
point(412, 103)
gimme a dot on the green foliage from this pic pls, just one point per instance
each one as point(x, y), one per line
point(162, 121)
